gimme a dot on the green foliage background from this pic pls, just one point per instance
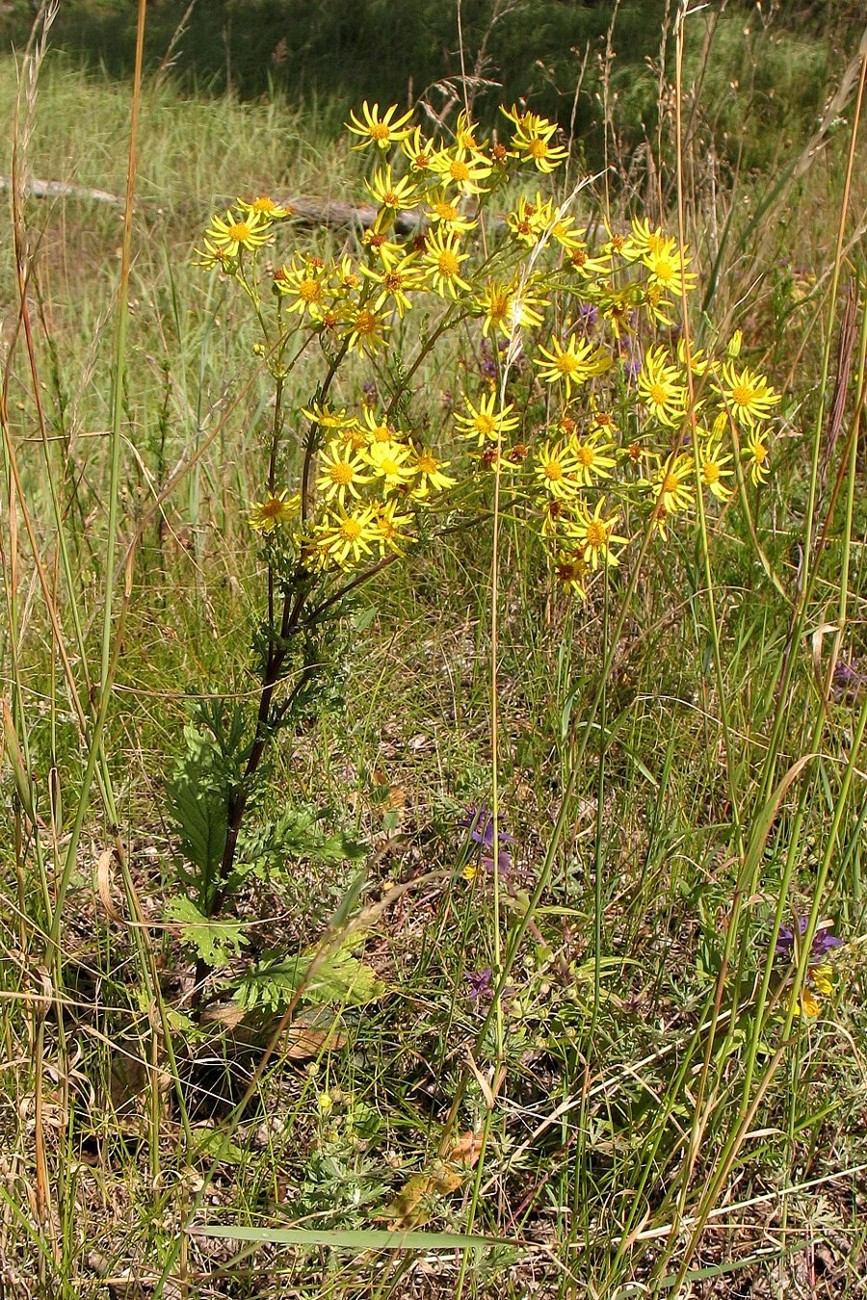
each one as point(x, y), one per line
point(333, 54)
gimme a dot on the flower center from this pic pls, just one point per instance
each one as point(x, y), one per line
point(263, 204)
point(553, 470)
point(365, 323)
point(537, 149)
point(597, 534)
point(459, 171)
point(448, 263)
point(486, 425)
point(427, 464)
point(239, 232)
point(743, 394)
point(350, 530)
point(711, 472)
point(391, 199)
point(446, 211)
point(586, 456)
point(663, 270)
point(378, 131)
point(393, 281)
point(272, 508)
point(658, 394)
point(671, 483)
point(760, 451)
point(310, 290)
point(499, 306)
point(567, 364)
point(342, 472)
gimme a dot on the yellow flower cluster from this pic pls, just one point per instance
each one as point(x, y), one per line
point(615, 425)
point(370, 476)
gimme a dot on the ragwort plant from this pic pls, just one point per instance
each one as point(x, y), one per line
point(581, 417)
point(592, 419)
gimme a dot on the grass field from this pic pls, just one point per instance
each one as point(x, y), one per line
point(521, 978)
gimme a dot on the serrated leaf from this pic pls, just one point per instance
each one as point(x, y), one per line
point(214, 941)
point(340, 979)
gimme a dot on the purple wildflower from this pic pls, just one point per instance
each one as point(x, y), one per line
point(849, 677)
point(823, 940)
point(489, 365)
point(481, 824)
point(479, 982)
point(588, 314)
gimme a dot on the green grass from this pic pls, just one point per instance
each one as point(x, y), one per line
point(654, 1117)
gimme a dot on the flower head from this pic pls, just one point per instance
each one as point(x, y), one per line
point(249, 230)
point(381, 130)
point(747, 394)
point(823, 940)
point(594, 535)
point(442, 258)
point(573, 364)
point(485, 422)
point(659, 383)
point(268, 514)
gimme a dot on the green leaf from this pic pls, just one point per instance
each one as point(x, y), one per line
point(214, 941)
point(353, 1238)
point(340, 979)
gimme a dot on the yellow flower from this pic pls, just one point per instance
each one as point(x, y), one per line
point(748, 395)
point(324, 416)
point(266, 207)
point(395, 282)
point(674, 485)
point(818, 978)
point(532, 219)
point(366, 330)
point(712, 470)
point(430, 473)
point(579, 361)
point(388, 524)
point(588, 264)
point(212, 255)
point(267, 515)
point(643, 240)
point(378, 430)
point(462, 169)
point(341, 470)
point(667, 266)
point(507, 307)
point(388, 462)
point(379, 244)
point(595, 535)
point(570, 571)
point(556, 470)
point(659, 384)
point(443, 258)
point(591, 458)
point(382, 131)
point(344, 538)
point(698, 362)
point(249, 231)
point(465, 133)
point(484, 422)
point(532, 140)
point(733, 347)
point(418, 150)
point(305, 284)
point(391, 193)
point(757, 455)
point(441, 208)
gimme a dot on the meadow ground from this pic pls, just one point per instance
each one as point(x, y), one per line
point(604, 1045)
